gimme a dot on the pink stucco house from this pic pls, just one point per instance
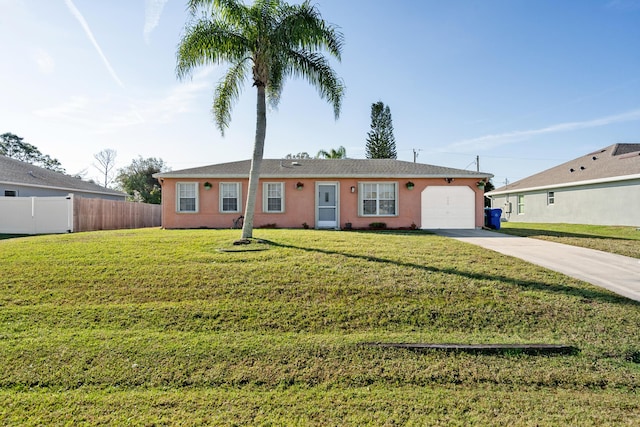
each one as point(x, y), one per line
point(325, 193)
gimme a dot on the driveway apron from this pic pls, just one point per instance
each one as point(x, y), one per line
point(617, 273)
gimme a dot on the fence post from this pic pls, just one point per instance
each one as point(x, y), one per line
point(70, 213)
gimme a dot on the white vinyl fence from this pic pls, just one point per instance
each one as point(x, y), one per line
point(36, 215)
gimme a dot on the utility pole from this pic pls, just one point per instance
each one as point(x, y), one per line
point(477, 163)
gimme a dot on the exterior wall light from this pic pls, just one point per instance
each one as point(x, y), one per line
point(353, 189)
point(207, 185)
point(299, 185)
point(410, 185)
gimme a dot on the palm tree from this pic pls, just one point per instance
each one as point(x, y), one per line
point(266, 42)
point(340, 153)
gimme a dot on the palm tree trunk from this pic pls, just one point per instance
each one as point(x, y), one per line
point(256, 161)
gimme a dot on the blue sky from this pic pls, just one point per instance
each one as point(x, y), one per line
point(524, 84)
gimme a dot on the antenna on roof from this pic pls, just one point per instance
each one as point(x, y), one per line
point(415, 154)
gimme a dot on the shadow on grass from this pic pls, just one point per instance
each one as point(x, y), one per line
point(585, 294)
point(11, 236)
point(531, 232)
point(391, 231)
point(505, 349)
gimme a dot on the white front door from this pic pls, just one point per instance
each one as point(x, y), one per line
point(327, 205)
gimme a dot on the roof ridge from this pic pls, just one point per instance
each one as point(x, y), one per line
point(18, 172)
point(327, 167)
point(592, 167)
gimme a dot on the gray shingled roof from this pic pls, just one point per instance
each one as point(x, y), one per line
point(325, 168)
point(13, 171)
point(608, 164)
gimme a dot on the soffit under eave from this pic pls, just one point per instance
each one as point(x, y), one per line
point(316, 176)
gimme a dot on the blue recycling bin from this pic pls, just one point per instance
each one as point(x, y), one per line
point(494, 216)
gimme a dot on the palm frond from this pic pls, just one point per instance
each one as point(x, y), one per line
point(302, 27)
point(276, 82)
point(233, 11)
point(323, 154)
point(209, 42)
point(281, 41)
point(226, 8)
point(194, 5)
point(316, 69)
point(227, 93)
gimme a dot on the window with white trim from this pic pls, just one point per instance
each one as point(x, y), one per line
point(520, 204)
point(378, 199)
point(187, 196)
point(229, 197)
point(273, 197)
point(551, 198)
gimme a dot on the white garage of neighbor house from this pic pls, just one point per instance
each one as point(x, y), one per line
point(599, 188)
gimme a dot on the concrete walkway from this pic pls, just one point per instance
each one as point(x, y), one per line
point(619, 274)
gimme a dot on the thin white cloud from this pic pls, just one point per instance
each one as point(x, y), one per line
point(74, 109)
point(152, 12)
point(496, 140)
point(43, 60)
point(76, 13)
point(624, 5)
point(107, 114)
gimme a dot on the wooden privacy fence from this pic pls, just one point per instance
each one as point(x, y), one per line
point(101, 214)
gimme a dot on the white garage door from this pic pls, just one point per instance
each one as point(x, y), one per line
point(448, 207)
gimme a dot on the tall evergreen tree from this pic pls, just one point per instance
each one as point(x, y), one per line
point(381, 144)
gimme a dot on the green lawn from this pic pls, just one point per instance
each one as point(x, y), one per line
point(159, 327)
point(614, 239)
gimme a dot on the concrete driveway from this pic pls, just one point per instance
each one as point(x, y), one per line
point(619, 274)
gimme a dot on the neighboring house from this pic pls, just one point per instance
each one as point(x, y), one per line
point(600, 188)
point(20, 179)
point(325, 193)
